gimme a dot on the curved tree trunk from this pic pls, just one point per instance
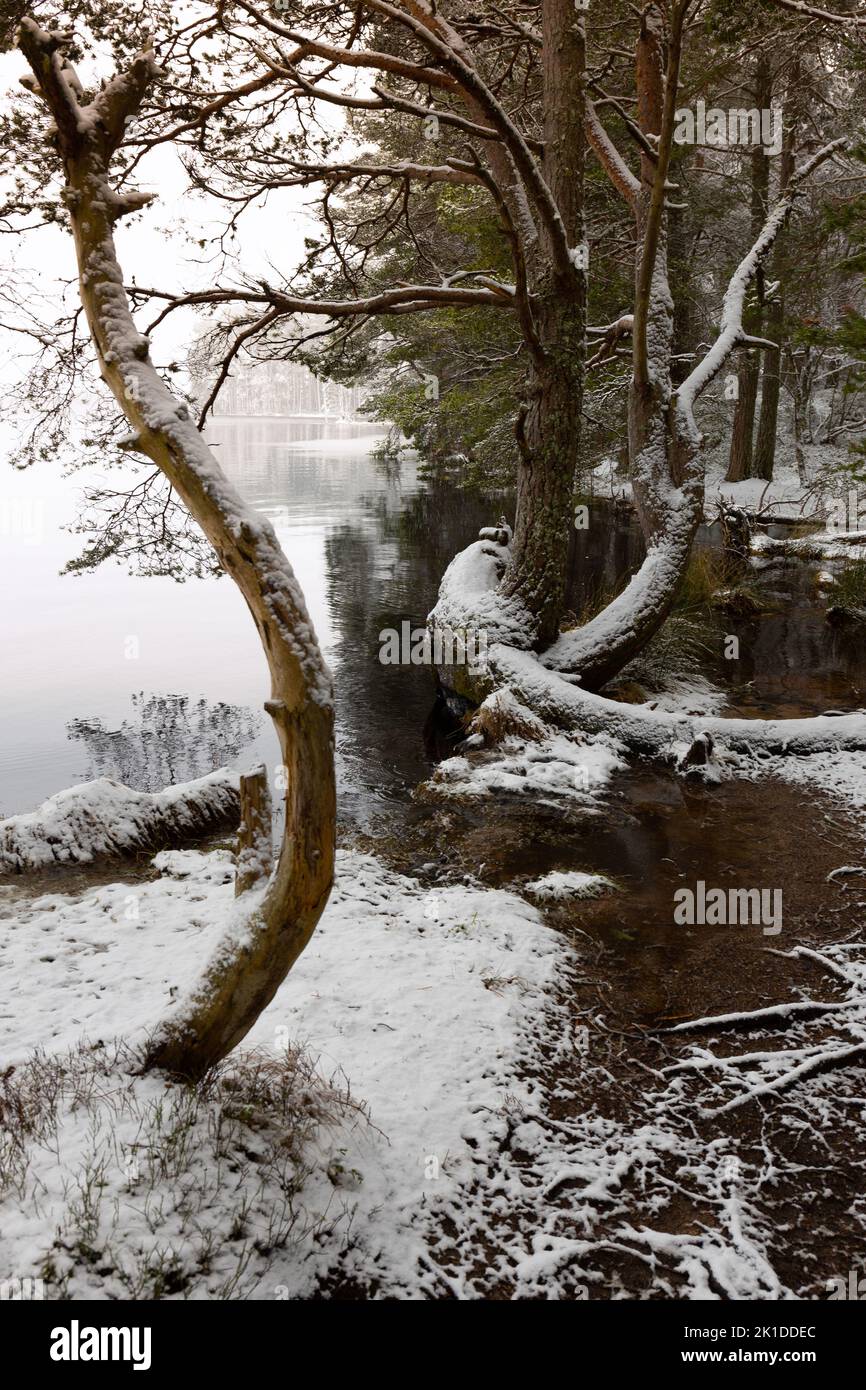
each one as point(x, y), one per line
point(671, 510)
point(273, 926)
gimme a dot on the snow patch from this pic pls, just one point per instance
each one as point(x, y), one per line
point(558, 885)
point(469, 599)
point(558, 767)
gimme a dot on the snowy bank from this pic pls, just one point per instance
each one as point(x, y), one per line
point(560, 885)
point(101, 819)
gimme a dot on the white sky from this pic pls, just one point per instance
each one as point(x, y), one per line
point(153, 246)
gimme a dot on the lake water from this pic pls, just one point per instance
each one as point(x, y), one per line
point(155, 681)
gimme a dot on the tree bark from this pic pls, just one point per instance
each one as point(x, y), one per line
point(740, 456)
point(771, 379)
point(267, 935)
point(255, 853)
point(549, 427)
point(663, 447)
point(740, 461)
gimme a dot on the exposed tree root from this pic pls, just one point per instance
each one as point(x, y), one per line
point(772, 1070)
point(654, 732)
point(469, 601)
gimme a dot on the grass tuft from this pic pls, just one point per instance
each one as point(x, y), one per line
point(139, 1187)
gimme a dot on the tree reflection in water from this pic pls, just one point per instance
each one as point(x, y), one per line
point(168, 739)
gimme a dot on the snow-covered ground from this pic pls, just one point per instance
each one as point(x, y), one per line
point(430, 1003)
point(387, 1125)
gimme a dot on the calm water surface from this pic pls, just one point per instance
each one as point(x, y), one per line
point(155, 681)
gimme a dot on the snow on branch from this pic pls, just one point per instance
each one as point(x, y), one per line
point(404, 169)
point(732, 333)
point(610, 158)
point(814, 12)
point(402, 300)
point(611, 337)
point(758, 1075)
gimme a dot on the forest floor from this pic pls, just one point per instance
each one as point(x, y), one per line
point(486, 1097)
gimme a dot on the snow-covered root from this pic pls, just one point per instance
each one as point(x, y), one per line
point(760, 1074)
point(656, 733)
point(469, 596)
point(104, 819)
point(469, 601)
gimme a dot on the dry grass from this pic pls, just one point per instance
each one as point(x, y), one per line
point(141, 1188)
point(501, 716)
point(849, 590)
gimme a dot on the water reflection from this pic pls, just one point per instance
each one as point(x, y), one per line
point(168, 739)
point(381, 573)
point(791, 662)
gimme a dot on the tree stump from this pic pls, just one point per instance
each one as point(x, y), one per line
point(255, 851)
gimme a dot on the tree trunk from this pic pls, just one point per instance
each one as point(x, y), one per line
point(549, 428)
point(799, 455)
point(255, 855)
point(682, 267)
point(740, 457)
point(771, 381)
point(664, 451)
point(549, 435)
point(251, 961)
point(740, 461)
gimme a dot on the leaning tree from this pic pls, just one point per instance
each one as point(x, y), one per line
point(277, 914)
